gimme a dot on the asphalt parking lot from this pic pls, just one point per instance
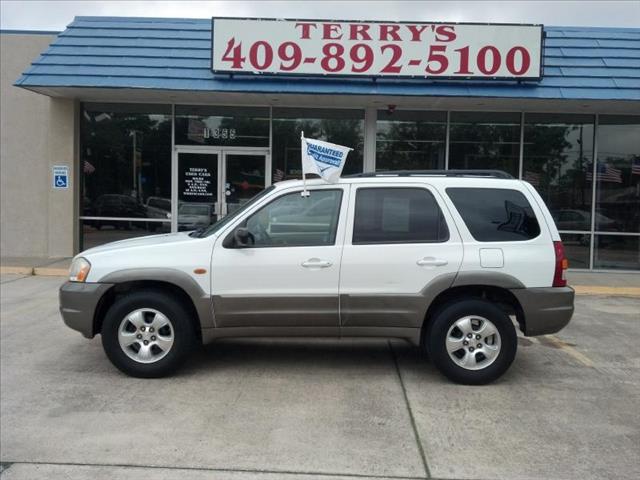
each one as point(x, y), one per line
point(317, 409)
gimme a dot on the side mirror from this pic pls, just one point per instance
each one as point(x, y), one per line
point(243, 237)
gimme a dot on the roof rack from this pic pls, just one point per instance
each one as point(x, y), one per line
point(434, 173)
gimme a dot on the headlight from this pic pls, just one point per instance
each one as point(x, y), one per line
point(79, 270)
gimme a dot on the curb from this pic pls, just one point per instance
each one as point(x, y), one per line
point(611, 291)
point(51, 272)
point(16, 270)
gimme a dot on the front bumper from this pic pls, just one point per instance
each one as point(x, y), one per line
point(78, 302)
point(546, 310)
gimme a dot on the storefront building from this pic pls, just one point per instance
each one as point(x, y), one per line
point(154, 139)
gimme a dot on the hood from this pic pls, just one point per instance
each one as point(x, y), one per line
point(139, 242)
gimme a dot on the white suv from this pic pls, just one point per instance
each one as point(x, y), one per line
point(443, 259)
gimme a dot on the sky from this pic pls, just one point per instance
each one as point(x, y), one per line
point(55, 15)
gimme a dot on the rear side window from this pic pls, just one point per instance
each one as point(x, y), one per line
point(397, 215)
point(495, 214)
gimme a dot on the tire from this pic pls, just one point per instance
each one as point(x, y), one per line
point(152, 316)
point(469, 364)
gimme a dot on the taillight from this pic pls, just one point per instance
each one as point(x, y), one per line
point(562, 263)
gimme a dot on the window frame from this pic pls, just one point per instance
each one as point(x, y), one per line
point(228, 238)
point(424, 188)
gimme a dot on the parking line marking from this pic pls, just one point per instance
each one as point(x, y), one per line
point(555, 342)
point(423, 456)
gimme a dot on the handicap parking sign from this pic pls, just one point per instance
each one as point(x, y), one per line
point(61, 176)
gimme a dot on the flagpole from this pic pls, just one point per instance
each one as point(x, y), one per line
point(304, 193)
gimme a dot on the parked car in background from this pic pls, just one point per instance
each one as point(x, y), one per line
point(192, 216)
point(442, 259)
point(576, 220)
point(117, 206)
point(158, 207)
point(579, 220)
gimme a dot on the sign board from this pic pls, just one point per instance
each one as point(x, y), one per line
point(380, 49)
point(60, 177)
point(197, 180)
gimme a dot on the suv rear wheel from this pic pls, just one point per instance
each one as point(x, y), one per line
point(472, 342)
point(147, 334)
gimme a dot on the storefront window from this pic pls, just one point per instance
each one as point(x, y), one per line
point(485, 140)
point(125, 159)
point(410, 140)
point(222, 126)
point(618, 174)
point(558, 162)
point(576, 248)
point(617, 252)
point(340, 126)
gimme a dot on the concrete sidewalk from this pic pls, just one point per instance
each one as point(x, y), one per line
point(584, 282)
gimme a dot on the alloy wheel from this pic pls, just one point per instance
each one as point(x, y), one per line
point(473, 342)
point(146, 335)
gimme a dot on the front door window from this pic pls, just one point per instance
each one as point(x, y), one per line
point(293, 220)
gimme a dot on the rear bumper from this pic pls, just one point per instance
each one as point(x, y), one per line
point(78, 302)
point(546, 310)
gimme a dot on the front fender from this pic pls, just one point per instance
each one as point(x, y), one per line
point(201, 299)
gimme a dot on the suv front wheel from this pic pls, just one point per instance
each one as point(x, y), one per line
point(147, 334)
point(472, 342)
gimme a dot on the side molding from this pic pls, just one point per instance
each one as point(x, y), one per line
point(200, 298)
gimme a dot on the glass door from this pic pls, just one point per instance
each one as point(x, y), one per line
point(245, 175)
point(196, 196)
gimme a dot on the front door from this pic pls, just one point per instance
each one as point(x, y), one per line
point(288, 276)
point(209, 183)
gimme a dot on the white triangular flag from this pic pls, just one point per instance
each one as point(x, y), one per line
point(323, 158)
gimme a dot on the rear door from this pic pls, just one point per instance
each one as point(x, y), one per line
point(401, 245)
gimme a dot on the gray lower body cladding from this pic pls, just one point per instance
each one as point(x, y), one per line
point(546, 310)
point(78, 303)
point(276, 311)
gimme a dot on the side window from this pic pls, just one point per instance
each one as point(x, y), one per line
point(294, 220)
point(397, 215)
point(495, 214)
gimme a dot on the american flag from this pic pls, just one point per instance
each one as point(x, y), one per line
point(278, 175)
point(88, 168)
point(532, 177)
point(635, 167)
point(606, 173)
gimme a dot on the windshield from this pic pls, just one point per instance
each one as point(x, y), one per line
point(229, 218)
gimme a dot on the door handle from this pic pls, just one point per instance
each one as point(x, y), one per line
point(316, 263)
point(431, 262)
